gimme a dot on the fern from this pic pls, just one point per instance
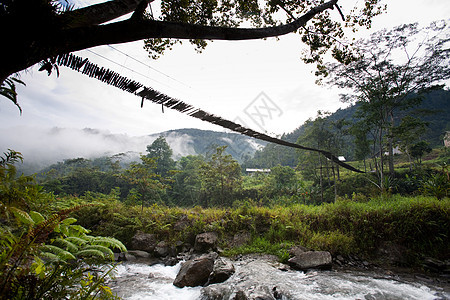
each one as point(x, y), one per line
point(109, 242)
point(22, 216)
point(50, 257)
point(63, 255)
point(76, 240)
point(105, 250)
point(93, 253)
point(68, 245)
point(36, 217)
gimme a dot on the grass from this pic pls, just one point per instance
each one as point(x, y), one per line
point(421, 224)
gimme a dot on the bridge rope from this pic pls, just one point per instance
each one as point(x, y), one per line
point(112, 78)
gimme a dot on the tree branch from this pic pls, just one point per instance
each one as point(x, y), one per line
point(130, 30)
point(99, 13)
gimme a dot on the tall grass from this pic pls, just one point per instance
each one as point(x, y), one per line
point(420, 224)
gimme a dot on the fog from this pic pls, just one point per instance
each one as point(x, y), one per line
point(41, 147)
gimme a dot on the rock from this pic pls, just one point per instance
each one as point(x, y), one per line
point(240, 295)
point(205, 242)
point(163, 249)
point(223, 269)
point(297, 250)
point(129, 257)
point(139, 254)
point(143, 241)
point(195, 272)
point(241, 238)
point(182, 223)
point(434, 265)
point(216, 292)
point(311, 260)
point(254, 279)
point(119, 256)
point(170, 261)
point(393, 253)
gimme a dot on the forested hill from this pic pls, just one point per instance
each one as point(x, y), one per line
point(67, 144)
point(435, 109)
point(206, 141)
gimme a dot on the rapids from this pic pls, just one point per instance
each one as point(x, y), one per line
point(270, 280)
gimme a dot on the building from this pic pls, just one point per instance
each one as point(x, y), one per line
point(447, 139)
point(256, 171)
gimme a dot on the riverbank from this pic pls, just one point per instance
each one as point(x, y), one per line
point(391, 231)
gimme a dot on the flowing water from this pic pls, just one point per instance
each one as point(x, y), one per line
point(261, 278)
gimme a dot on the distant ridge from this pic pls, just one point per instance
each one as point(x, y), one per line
point(42, 147)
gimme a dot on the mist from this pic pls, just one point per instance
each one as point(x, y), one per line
point(42, 147)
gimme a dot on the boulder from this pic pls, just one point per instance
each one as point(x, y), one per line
point(195, 272)
point(393, 253)
point(163, 249)
point(223, 269)
point(297, 250)
point(205, 242)
point(139, 254)
point(241, 238)
point(143, 241)
point(311, 260)
point(182, 223)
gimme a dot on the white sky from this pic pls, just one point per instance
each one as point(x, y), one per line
point(225, 80)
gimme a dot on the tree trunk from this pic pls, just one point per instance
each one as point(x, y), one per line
point(391, 145)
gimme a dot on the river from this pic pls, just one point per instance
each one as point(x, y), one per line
point(263, 278)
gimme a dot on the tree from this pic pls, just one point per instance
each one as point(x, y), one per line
point(161, 152)
point(407, 134)
point(394, 69)
point(142, 175)
point(327, 135)
point(186, 188)
point(359, 130)
point(220, 177)
point(40, 30)
point(283, 180)
point(419, 149)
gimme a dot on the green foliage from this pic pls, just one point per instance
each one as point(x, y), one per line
point(8, 90)
point(437, 185)
point(161, 152)
point(51, 257)
point(43, 254)
point(220, 177)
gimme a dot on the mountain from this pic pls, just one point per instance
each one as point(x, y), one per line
point(434, 109)
point(42, 147)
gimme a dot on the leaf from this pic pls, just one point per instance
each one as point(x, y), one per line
point(76, 240)
point(50, 257)
point(105, 250)
point(110, 242)
point(77, 230)
point(22, 216)
point(69, 221)
point(37, 217)
point(68, 245)
point(62, 254)
point(91, 253)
